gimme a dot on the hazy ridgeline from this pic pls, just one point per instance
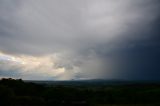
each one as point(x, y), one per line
point(78, 93)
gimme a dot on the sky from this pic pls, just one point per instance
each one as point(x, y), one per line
point(80, 39)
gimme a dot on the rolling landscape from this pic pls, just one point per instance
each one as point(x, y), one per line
point(79, 93)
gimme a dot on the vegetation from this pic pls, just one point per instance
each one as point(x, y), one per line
point(20, 93)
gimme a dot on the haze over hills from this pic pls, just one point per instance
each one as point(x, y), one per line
point(94, 82)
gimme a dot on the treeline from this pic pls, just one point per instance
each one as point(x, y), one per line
point(19, 93)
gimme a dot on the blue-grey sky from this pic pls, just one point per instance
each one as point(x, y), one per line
point(80, 39)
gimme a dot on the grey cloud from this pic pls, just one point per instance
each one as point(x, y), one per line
point(86, 33)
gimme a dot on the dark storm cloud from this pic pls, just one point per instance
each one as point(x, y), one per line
point(88, 38)
point(136, 58)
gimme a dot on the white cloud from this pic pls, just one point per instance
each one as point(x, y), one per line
point(42, 67)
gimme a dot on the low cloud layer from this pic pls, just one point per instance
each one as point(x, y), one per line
point(82, 39)
point(48, 67)
point(32, 67)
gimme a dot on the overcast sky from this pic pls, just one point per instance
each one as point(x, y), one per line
point(80, 39)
